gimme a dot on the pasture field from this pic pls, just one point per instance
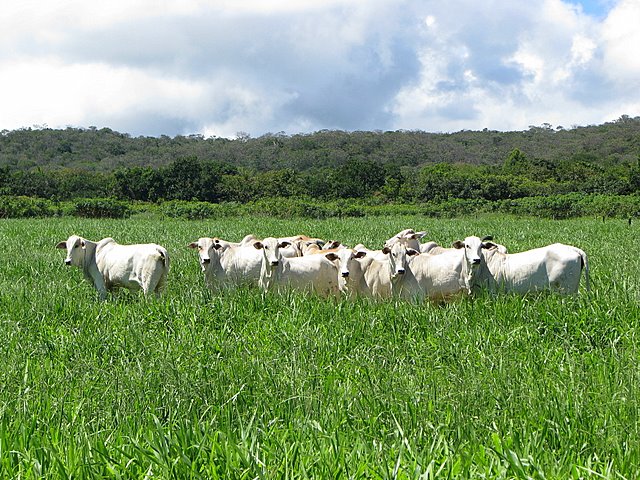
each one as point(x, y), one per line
point(248, 385)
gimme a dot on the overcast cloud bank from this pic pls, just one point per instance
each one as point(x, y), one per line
point(218, 68)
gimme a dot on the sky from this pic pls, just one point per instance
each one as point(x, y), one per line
point(224, 68)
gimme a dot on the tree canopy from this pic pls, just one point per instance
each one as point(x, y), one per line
point(403, 166)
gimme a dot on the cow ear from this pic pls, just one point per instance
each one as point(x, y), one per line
point(458, 244)
point(217, 246)
point(386, 250)
point(418, 235)
point(83, 244)
point(62, 245)
point(488, 245)
point(411, 252)
point(488, 237)
point(331, 256)
point(193, 245)
point(284, 244)
point(360, 254)
point(257, 245)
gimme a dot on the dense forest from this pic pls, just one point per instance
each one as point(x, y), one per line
point(383, 167)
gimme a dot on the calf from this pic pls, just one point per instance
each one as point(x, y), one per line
point(107, 264)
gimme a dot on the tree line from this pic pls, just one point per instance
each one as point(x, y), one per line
point(403, 166)
point(190, 178)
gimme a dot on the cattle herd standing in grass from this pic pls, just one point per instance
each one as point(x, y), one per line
point(404, 267)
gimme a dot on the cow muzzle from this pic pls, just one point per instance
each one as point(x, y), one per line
point(206, 261)
point(475, 261)
point(274, 263)
point(345, 274)
point(400, 271)
point(67, 262)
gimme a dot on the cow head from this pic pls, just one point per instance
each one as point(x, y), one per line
point(206, 247)
point(75, 247)
point(473, 247)
point(271, 250)
point(344, 259)
point(397, 255)
point(331, 244)
point(408, 237)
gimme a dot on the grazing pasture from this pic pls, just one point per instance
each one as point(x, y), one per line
point(247, 385)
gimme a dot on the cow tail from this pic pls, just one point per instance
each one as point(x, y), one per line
point(164, 257)
point(585, 265)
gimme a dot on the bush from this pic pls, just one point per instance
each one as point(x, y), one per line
point(101, 208)
point(552, 206)
point(572, 205)
point(288, 208)
point(455, 207)
point(17, 207)
point(199, 210)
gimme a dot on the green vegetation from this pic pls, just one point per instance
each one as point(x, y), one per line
point(247, 385)
point(373, 167)
point(553, 206)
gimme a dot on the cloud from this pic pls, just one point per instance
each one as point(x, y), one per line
point(536, 64)
point(258, 66)
point(621, 43)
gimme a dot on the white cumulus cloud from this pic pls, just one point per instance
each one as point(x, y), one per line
point(172, 67)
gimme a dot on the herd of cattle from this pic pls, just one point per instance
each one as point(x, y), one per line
point(405, 267)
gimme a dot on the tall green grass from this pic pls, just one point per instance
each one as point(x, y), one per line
point(246, 384)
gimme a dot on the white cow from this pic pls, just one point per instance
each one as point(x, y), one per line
point(385, 273)
point(442, 275)
point(107, 264)
point(313, 273)
point(556, 267)
point(350, 271)
point(434, 249)
point(225, 264)
point(411, 239)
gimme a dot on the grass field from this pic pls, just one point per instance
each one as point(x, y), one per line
point(248, 385)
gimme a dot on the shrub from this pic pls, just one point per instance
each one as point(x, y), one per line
point(455, 207)
point(199, 210)
point(101, 208)
point(16, 207)
point(572, 205)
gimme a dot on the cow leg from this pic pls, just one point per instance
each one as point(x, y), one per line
point(161, 284)
point(154, 283)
